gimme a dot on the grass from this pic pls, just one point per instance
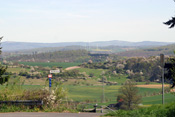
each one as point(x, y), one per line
point(83, 93)
point(50, 64)
point(120, 79)
point(158, 99)
point(16, 69)
point(143, 83)
point(34, 81)
point(25, 87)
point(167, 110)
point(91, 93)
point(96, 72)
point(148, 91)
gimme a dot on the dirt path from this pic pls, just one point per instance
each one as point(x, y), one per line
point(71, 68)
point(159, 86)
point(152, 86)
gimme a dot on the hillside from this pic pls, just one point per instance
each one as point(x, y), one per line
point(155, 51)
point(74, 54)
point(61, 56)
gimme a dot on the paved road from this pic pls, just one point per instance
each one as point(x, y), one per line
point(40, 114)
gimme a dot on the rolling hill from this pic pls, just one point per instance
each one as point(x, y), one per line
point(16, 46)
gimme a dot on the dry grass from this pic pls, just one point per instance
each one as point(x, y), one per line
point(71, 68)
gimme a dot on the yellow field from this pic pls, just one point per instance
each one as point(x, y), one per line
point(153, 86)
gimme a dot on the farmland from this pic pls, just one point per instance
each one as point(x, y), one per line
point(94, 93)
point(89, 88)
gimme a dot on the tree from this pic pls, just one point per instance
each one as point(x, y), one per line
point(171, 22)
point(170, 71)
point(3, 78)
point(128, 93)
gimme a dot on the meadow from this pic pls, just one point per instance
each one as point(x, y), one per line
point(94, 94)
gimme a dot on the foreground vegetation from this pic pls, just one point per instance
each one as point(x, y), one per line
point(167, 110)
point(15, 89)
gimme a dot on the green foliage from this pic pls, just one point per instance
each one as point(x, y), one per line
point(59, 92)
point(3, 78)
point(170, 71)
point(139, 69)
point(14, 90)
point(69, 74)
point(153, 111)
point(129, 94)
point(20, 108)
point(40, 94)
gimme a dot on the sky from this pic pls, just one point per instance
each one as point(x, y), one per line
point(50, 21)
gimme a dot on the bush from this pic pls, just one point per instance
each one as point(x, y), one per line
point(53, 101)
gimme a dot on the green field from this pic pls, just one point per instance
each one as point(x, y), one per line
point(158, 99)
point(25, 86)
point(91, 93)
point(50, 64)
point(16, 69)
point(83, 93)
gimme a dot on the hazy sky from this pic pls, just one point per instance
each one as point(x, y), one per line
point(86, 20)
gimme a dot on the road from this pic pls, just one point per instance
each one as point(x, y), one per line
point(42, 114)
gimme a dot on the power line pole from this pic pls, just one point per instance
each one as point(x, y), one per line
point(103, 93)
point(162, 65)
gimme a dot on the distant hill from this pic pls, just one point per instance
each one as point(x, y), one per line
point(154, 51)
point(16, 46)
point(78, 56)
